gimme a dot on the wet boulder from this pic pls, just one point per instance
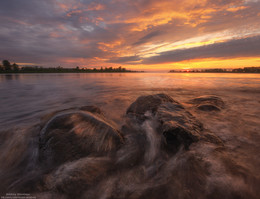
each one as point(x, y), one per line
point(176, 126)
point(92, 109)
point(148, 103)
point(74, 134)
point(208, 103)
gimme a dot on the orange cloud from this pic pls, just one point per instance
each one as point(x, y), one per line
point(235, 9)
point(96, 6)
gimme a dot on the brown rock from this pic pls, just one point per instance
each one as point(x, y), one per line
point(74, 134)
point(176, 125)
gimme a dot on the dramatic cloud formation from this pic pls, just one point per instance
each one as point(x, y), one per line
point(140, 34)
point(246, 47)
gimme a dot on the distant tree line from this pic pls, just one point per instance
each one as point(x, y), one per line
point(220, 70)
point(247, 70)
point(7, 67)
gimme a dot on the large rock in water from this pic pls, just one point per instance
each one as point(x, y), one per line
point(148, 103)
point(73, 134)
point(176, 125)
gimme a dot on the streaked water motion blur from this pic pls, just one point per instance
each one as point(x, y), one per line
point(26, 99)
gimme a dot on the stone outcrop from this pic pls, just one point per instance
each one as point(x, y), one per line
point(74, 134)
point(176, 125)
point(81, 148)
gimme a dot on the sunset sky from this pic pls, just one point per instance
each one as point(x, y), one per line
point(135, 34)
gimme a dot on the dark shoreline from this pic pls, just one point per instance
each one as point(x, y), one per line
point(220, 72)
point(68, 72)
point(7, 67)
point(11, 73)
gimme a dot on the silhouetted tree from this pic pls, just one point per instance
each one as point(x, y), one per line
point(7, 65)
point(15, 67)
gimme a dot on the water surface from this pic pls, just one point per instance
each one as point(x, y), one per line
point(233, 170)
point(24, 98)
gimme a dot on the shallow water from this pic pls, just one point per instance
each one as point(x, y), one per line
point(27, 98)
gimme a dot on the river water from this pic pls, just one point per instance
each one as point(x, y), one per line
point(26, 98)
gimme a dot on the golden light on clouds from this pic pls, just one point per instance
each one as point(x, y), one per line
point(204, 64)
point(220, 63)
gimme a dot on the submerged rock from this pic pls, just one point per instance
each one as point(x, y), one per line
point(74, 177)
point(208, 103)
point(71, 135)
point(208, 107)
